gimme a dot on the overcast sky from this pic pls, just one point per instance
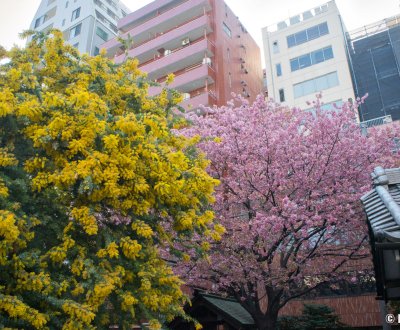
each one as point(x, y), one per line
point(16, 15)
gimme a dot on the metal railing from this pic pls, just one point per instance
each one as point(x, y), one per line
point(376, 121)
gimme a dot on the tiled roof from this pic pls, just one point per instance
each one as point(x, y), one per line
point(382, 205)
point(230, 307)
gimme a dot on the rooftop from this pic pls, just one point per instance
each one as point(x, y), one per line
point(382, 205)
point(301, 17)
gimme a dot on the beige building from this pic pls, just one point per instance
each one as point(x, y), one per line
point(307, 54)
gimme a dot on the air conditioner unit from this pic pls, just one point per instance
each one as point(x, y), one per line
point(185, 41)
point(167, 52)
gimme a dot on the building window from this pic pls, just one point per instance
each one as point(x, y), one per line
point(228, 54)
point(230, 80)
point(75, 14)
point(275, 47)
point(75, 31)
point(66, 4)
point(315, 85)
point(112, 14)
point(307, 35)
point(281, 95)
point(63, 22)
point(102, 34)
point(227, 30)
point(38, 22)
point(76, 45)
point(96, 51)
point(312, 58)
point(278, 69)
point(123, 13)
point(50, 2)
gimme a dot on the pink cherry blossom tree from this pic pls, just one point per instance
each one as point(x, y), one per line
point(289, 200)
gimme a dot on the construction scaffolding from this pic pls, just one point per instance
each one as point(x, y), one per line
point(374, 54)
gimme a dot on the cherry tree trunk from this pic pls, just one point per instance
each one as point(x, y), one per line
point(268, 321)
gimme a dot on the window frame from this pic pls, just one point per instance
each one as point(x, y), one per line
point(76, 14)
point(227, 30)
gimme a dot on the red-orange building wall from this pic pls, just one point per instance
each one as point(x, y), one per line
point(237, 56)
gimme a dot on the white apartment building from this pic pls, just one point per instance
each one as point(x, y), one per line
point(86, 24)
point(307, 54)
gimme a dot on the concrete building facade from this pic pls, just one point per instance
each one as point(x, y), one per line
point(375, 57)
point(202, 42)
point(307, 54)
point(86, 24)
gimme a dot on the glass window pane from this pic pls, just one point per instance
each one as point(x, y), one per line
point(294, 64)
point(328, 53)
point(278, 70)
point(298, 90)
point(317, 56)
point(313, 33)
point(309, 87)
point(301, 37)
point(291, 41)
point(321, 83)
point(323, 29)
point(332, 79)
point(304, 61)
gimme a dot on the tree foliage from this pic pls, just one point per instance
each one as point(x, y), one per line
point(289, 200)
point(313, 317)
point(93, 185)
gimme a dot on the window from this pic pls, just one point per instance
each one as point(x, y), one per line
point(227, 30)
point(96, 51)
point(75, 14)
point(112, 14)
point(63, 22)
point(38, 22)
point(315, 85)
point(76, 45)
point(312, 58)
point(230, 80)
point(75, 31)
point(123, 13)
point(102, 34)
point(228, 54)
point(281, 95)
point(307, 35)
point(278, 70)
point(50, 2)
point(275, 47)
point(66, 4)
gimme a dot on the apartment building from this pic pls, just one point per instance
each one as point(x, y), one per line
point(375, 57)
point(202, 42)
point(86, 24)
point(307, 54)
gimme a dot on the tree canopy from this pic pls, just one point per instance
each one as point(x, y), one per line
point(289, 200)
point(93, 184)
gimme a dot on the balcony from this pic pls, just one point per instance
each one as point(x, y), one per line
point(157, 25)
point(192, 30)
point(190, 79)
point(205, 98)
point(376, 121)
point(178, 59)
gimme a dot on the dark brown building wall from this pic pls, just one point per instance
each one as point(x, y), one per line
point(356, 311)
point(237, 57)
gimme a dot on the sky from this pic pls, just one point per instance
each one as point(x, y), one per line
point(16, 15)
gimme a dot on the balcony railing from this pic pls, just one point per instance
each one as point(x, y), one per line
point(165, 32)
point(187, 76)
point(164, 37)
point(376, 121)
point(159, 12)
point(200, 97)
point(211, 47)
